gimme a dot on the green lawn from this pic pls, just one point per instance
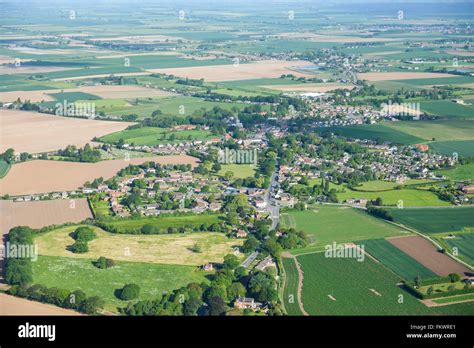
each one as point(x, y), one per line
point(409, 196)
point(153, 136)
point(123, 225)
point(360, 288)
point(395, 259)
point(240, 170)
point(328, 224)
point(290, 291)
point(75, 273)
point(435, 220)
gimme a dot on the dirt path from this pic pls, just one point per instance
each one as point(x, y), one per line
point(300, 287)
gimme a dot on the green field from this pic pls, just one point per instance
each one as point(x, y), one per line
point(464, 242)
point(74, 273)
point(442, 130)
point(4, 168)
point(164, 222)
point(328, 224)
point(450, 299)
point(396, 260)
point(153, 136)
point(464, 148)
point(376, 132)
point(435, 220)
point(241, 171)
point(72, 97)
point(291, 287)
point(410, 197)
point(460, 173)
point(447, 108)
point(367, 289)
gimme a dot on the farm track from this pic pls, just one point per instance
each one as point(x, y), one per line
point(300, 287)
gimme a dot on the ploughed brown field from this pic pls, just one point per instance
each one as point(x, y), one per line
point(37, 214)
point(34, 132)
point(426, 253)
point(40, 176)
point(10, 305)
point(243, 71)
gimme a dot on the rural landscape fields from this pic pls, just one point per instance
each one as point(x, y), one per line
point(254, 159)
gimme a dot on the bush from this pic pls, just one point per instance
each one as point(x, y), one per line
point(130, 292)
point(79, 247)
point(454, 277)
point(103, 263)
point(84, 234)
point(92, 304)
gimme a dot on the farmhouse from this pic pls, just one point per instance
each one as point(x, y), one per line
point(468, 189)
point(247, 303)
point(266, 262)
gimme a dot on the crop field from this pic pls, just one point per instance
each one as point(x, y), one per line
point(79, 273)
point(461, 172)
point(154, 136)
point(231, 72)
point(4, 168)
point(368, 289)
point(428, 255)
point(12, 305)
point(374, 132)
point(442, 130)
point(239, 170)
point(326, 224)
point(435, 220)
point(171, 249)
point(464, 148)
point(464, 242)
point(58, 176)
point(394, 259)
point(448, 108)
point(393, 76)
point(34, 132)
point(37, 214)
point(170, 106)
point(291, 287)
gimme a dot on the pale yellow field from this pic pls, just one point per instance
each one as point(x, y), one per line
point(254, 70)
point(331, 38)
point(39, 176)
point(388, 76)
point(34, 132)
point(309, 87)
point(32, 96)
point(174, 249)
point(37, 214)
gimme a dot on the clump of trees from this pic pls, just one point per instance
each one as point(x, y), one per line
point(76, 300)
point(82, 235)
point(86, 154)
point(18, 270)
